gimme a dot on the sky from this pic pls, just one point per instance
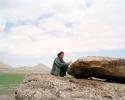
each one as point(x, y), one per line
point(34, 31)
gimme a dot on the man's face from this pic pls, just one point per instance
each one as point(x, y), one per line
point(62, 56)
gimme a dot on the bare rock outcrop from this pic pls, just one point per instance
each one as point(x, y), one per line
point(112, 69)
point(48, 87)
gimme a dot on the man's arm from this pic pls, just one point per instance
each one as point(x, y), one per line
point(59, 63)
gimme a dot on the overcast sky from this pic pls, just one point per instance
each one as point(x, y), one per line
point(34, 31)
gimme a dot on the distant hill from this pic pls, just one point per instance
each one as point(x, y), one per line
point(33, 69)
point(5, 68)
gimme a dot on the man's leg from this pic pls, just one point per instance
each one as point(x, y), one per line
point(63, 70)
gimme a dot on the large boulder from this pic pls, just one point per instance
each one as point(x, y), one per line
point(100, 67)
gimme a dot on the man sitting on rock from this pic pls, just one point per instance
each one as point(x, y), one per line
point(59, 65)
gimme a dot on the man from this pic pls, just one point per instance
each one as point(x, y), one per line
point(60, 66)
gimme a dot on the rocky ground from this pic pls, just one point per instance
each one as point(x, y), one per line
point(48, 87)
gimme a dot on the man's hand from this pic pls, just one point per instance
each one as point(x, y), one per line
point(69, 62)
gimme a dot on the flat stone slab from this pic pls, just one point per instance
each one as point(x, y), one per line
point(48, 87)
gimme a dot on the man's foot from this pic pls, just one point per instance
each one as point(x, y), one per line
point(62, 76)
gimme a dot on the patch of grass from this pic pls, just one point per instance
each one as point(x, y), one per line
point(9, 82)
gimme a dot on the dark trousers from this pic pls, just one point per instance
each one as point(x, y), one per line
point(63, 70)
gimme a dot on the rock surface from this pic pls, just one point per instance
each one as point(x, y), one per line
point(48, 87)
point(100, 67)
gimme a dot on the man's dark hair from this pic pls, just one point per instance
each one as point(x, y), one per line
point(61, 52)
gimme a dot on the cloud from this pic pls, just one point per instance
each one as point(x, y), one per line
point(2, 25)
point(43, 27)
